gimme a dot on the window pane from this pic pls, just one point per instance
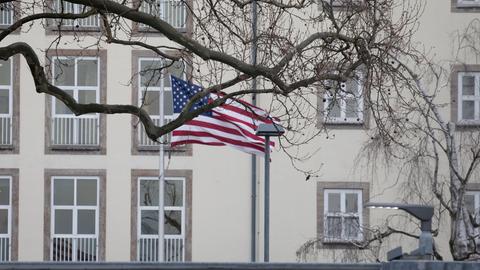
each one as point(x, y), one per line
point(149, 193)
point(87, 96)
point(351, 203)
point(333, 110)
point(86, 222)
point(468, 85)
point(352, 110)
point(4, 101)
point(86, 192)
point(352, 87)
point(5, 72)
point(149, 222)
point(87, 72)
point(63, 221)
point(333, 227)
point(3, 221)
point(63, 192)
point(60, 108)
point(177, 70)
point(150, 73)
point(64, 72)
point(173, 222)
point(470, 203)
point(150, 103)
point(333, 202)
point(173, 193)
point(468, 109)
point(168, 103)
point(352, 228)
point(4, 191)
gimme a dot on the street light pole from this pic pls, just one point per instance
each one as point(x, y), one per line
point(267, 130)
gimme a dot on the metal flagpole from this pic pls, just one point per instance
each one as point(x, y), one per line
point(253, 225)
point(161, 184)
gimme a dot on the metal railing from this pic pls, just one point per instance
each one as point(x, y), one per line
point(174, 12)
point(67, 7)
point(144, 140)
point(81, 249)
point(5, 248)
point(174, 248)
point(5, 130)
point(6, 14)
point(71, 130)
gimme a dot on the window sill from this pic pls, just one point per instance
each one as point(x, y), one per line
point(468, 124)
point(76, 149)
point(340, 242)
point(53, 30)
point(154, 150)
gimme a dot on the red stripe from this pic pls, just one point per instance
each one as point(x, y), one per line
point(245, 133)
point(173, 144)
point(242, 101)
point(229, 118)
point(246, 113)
point(220, 138)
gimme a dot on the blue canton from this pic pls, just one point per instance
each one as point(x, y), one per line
point(182, 92)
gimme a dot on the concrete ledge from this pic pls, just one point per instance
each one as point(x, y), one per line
point(430, 265)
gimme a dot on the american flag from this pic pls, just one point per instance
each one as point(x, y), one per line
point(233, 123)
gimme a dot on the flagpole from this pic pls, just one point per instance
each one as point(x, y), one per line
point(253, 225)
point(161, 183)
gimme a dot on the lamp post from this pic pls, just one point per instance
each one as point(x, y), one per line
point(422, 212)
point(267, 131)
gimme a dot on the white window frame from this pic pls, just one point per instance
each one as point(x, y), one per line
point(7, 10)
point(6, 119)
point(475, 98)
point(143, 140)
point(342, 214)
point(8, 235)
point(156, 208)
point(77, 9)
point(163, 4)
point(467, 3)
point(75, 208)
point(75, 88)
point(341, 96)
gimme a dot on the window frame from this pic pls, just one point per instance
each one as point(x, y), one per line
point(135, 224)
point(13, 176)
point(48, 223)
point(9, 217)
point(10, 115)
point(137, 148)
point(95, 149)
point(463, 6)
point(343, 213)
point(475, 98)
point(53, 27)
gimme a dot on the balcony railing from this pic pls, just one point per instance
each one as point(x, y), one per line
point(174, 248)
point(4, 248)
point(144, 141)
point(81, 249)
point(174, 12)
point(89, 22)
point(5, 130)
point(6, 14)
point(71, 130)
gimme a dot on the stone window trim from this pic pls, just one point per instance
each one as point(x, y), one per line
point(321, 187)
point(48, 174)
point(185, 150)
point(14, 148)
point(188, 30)
point(81, 150)
point(454, 95)
point(337, 5)
point(16, 17)
point(135, 174)
point(456, 8)
point(52, 29)
point(321, 123)
point(14, 174)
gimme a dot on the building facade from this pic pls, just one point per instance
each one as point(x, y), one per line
point(86, 188)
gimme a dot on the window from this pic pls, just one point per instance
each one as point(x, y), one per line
point(468, 97)
point(173, 12)
point(343, 215)
point(6, 14)
point(152, 75)
point(5, 218)
point(6, 103)
point(468, 3)
point(80, 77)
point(74, 218)
point(343, 102)
point(343, 3)
point(148, 210)
point(91, 22)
